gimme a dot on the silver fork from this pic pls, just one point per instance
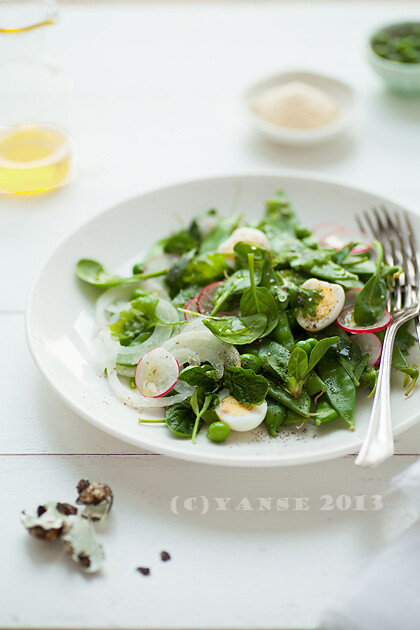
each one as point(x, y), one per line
point(400, 248)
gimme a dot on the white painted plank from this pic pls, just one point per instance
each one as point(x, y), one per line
point(34, 420)
point(229, 569)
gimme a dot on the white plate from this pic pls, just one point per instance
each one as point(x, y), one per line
point(59, 316)
point(341, 93)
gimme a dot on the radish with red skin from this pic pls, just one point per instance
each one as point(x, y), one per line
point(326, 227)
point(191, 305)
point(350, 297)
point(346, 322)
point(370, 344)
point(205, 298)
point(156, 373)
point(339, 239)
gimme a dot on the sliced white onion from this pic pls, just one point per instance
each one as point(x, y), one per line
point(209, 349)
point(133, 398)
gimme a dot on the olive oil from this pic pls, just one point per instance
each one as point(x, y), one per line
point(35, 158)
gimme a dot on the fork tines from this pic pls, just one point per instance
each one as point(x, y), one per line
point(400, 249)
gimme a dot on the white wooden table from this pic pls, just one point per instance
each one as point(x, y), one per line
point(155, 100)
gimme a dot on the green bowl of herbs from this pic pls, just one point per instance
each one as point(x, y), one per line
point(394, 54)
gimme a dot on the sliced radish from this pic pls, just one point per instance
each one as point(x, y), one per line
point(351, 297)
point(191, 305)
point(370, 344)
point(339, 239)
point(156, 373)
point(346, 321)
point(326, 227)
point(205, 298)
point(158, 263)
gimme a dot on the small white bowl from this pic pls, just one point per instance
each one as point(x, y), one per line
point(341, 93)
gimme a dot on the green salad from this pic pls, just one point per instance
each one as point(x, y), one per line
point(227, 325)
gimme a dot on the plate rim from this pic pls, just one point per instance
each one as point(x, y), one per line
point(214, 459)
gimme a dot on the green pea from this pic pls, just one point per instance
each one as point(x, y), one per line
point(218, 431)
point(133, 384)
point(251, 362)
point(312, 342)
point(138, 268)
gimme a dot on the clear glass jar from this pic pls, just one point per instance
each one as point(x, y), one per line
point(36, 151)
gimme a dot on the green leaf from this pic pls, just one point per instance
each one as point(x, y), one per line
point(258, 300)
point(404, 339)
point(94, 273)
point(341, 391)
point(180, 418)
point(244, 385)
point(297, 370)
point(319, 350)
point(203, 376)
point(145, 303)
point(238, 330)
point(204, 269)
point(300, 405)
point(273, 357)
point(371, 302)
point(131, 328)
point(180, 243)
point(175, 277)
point(242, 252)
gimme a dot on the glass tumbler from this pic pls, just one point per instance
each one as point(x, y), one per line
point(36, 152)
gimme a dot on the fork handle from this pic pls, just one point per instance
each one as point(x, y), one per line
point(378, 444)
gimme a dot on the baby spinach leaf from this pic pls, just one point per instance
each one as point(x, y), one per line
point(94, 273)
point(203, 376)
point(180, 243)
point(242, 252)
point(180, 418)
point(275, 416)
point(238, 330)
point(205, 268)
point(371, 302)
point(273, 357)
point(175, 277)
point(258, 300)
point(244, 385)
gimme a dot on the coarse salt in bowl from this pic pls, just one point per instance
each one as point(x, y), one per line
point(336, 103)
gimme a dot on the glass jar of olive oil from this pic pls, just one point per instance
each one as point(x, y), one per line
point(36, 152)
